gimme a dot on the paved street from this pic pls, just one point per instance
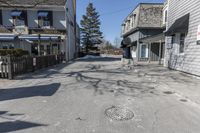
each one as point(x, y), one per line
point(101, 96)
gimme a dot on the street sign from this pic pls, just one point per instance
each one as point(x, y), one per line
point(198, 35)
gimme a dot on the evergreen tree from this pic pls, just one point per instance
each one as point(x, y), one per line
point(90, 28)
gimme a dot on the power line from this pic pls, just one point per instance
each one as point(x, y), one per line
point(115, 12)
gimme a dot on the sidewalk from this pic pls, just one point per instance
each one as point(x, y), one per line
point(183, 85)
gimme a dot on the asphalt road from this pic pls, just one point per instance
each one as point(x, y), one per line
point(101, 96)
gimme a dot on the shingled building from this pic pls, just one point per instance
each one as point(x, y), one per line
point(144, 21)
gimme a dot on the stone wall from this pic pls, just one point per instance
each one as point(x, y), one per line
point(150, 15)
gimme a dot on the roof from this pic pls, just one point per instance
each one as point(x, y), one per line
point(34, 2)
point(154, 38)
point(141, 28)
point(140, 5)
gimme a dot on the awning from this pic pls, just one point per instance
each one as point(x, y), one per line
point(179, 26)
point(128, 43)
point(127, 40)
point(37, 38)
point(7, 37)
point(16, 13)
point(122, 44)
point(43, 14)
point(154, 39)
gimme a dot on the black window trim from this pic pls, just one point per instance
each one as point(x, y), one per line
point(22, 17)
point(49, 17)
point(1, 17)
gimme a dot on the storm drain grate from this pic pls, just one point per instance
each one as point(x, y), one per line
point(119, 113)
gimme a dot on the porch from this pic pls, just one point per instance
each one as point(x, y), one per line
point(35, 44)
point(152, 49)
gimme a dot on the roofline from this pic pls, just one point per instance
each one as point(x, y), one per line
point(141, 28)
point(30, 5)
point(140, 5)
point(153, 36)
point(45, 7)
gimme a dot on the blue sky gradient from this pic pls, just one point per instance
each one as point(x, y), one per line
point(112, 12)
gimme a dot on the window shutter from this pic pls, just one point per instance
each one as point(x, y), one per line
point(51, 18)
point(25, 18)
point(1, 21)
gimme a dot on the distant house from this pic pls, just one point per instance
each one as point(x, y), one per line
point(42, 29)
point(144, 21)
point(183, 36)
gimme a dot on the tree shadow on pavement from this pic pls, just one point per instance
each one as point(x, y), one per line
point(24, 92)
point(49, 72)
point(102, 59)
point(123, 87)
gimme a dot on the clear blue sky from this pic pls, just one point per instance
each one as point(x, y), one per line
point(112, 12)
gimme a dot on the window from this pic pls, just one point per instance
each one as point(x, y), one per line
point(124, 28)
point(5, 47)
point(132, 24)
point(182, 43)
point(143, 51)
point(128, 24)
point(19, 18)
point(17, 21)
point(45, 19)
point(134, 17)
point(173, 40)
point(11, 46)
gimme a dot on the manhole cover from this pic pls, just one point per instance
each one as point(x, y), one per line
point(119, 113)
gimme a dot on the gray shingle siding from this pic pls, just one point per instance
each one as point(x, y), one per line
point(189, 61)
point(150, 15)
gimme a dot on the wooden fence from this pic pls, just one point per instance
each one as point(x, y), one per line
point(13, 66)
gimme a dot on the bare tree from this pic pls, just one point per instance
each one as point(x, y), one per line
point(117, 42)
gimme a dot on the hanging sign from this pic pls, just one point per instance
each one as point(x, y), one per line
point(198, 35)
